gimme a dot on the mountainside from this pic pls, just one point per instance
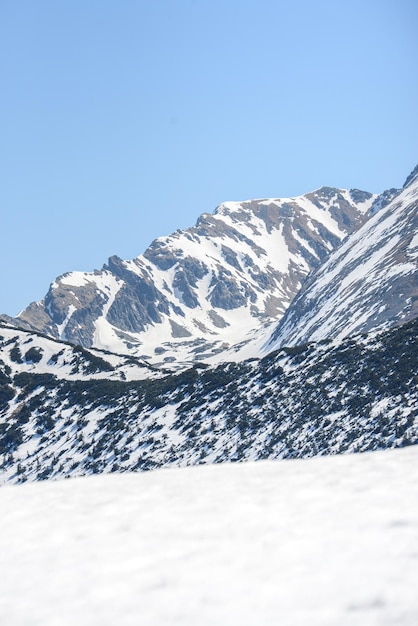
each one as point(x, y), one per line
point(324, 542)
point(369, 282)
point(198, 292)
point(26, 352)
point(358, 394)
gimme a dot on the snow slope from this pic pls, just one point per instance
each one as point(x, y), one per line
point(319, 542)
point(369, 282)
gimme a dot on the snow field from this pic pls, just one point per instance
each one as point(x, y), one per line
point(324, 541)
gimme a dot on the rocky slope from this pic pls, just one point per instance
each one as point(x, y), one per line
point(369, 282)
point(199, 292)
point(357, 394)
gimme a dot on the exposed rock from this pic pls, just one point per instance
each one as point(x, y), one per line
point(217, 319)
point(225, 292)
point(179, 331)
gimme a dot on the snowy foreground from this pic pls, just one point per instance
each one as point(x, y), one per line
point(324, 541)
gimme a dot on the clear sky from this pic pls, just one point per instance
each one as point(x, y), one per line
point(123, 120)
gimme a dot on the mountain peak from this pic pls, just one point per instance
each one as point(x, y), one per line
point(204, 290)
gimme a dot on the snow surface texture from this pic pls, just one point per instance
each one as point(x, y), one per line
point(369, 282)
point(207, 292)
point(319, 542)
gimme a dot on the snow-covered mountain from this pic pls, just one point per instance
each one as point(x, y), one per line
point(67, 410)
point(198, 292)
point(369, 282)
point(70, 414)
point(325, 542)
point(319, 541)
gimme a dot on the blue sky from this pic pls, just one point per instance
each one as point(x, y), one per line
point(123, 120)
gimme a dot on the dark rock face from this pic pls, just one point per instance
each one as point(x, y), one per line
point(217, 320)
point(341, 209)
point(80, 328)
point(179, 331)
point(225, 292)
point(186, 277)
point(87, 304)
point(413, 176)
point(135, 306)
point(162, 258)
point(383, 200)
point(231, 257)
point(35, 317)
point(138, 302)
point(360, 196)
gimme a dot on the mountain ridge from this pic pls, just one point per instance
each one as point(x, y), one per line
point(204, 290)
